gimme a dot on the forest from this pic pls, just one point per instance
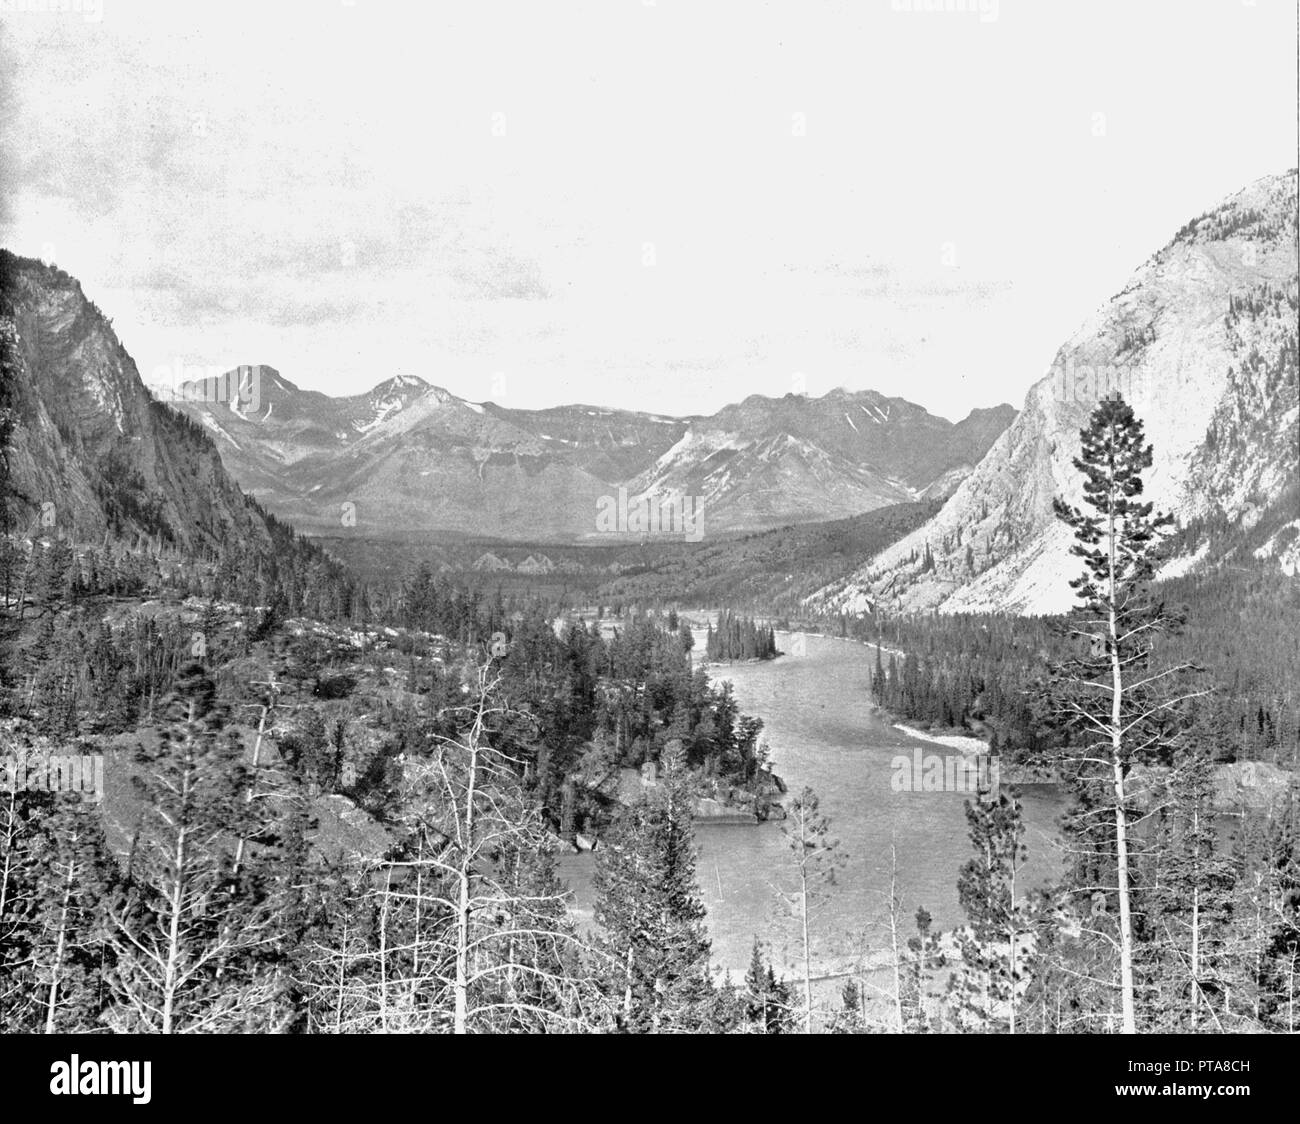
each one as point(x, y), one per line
point(980, 673)
point(739, 638)
point(334, 807)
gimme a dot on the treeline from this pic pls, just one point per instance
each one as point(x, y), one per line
point(602, 695)
point(962, 672)
point(768, 571)
point(978, 671)
point(617, 698)
point(739, 638)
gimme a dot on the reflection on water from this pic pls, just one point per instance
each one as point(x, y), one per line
point(815, 705)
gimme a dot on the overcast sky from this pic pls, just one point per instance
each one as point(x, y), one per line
point(655, 204)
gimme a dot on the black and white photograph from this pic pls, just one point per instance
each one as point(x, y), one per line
point(649, 517)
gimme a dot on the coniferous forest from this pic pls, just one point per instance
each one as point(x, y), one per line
point(331, 808)
point(596, 522)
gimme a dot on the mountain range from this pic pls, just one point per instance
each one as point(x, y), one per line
point(1202, 341)
point(409, 459)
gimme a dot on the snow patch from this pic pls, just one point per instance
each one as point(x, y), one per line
point(1178, 567)
point(211, 423)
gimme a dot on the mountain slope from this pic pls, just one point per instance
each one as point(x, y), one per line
point(768, 571)
point(612, 445)
point(1202, 341)
point(92, 453)
point(766, 462)
point(444, 464)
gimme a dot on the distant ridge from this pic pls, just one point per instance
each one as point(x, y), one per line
point(411, 458)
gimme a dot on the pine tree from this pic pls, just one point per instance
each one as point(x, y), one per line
point(1192, 900)
point(68, 953)
point(1112, 705)
point(474, 934)
point(766, 999)
point(849, 1019)
point(991, 978)
point(648, 906)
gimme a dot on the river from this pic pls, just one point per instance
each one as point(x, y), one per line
point(823, 732)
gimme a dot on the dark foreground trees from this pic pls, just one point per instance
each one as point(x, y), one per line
point(654, 948)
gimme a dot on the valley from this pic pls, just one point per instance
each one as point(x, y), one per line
point(440, 740)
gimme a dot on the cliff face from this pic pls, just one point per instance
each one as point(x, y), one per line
point(1202, 341)
point(92, 453)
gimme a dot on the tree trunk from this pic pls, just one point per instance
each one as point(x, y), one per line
point(464, 873)
point(56, 965)
point(252, 782)
point(807, 964)
point(1129, 1024)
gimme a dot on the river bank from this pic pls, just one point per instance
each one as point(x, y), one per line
point(962, 742)
point(823, 730)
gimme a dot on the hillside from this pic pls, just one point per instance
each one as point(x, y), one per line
point(770, 571)
point(92, 454)
point(1202, 341)
point(99, 475)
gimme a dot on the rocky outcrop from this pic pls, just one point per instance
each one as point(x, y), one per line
point(1202, 342)
point(1255, 786)
point(92, 453)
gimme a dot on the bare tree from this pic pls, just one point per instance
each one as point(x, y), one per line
point(815, 858)
point(469, 928)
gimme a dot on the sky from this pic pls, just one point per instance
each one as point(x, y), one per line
point(663, 205)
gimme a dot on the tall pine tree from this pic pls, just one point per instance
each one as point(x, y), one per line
point(1114, 708)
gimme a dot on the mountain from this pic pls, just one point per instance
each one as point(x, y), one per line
point(409, 458)
point(92, 454)
point(402, 466)
point(267, 423)
point(612, 445)
point(1202, 341)
point(766, 462)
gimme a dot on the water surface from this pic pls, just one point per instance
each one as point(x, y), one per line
point(823, 732)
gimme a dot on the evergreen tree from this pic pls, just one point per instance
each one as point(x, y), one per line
point(1192, 901)
point(988, 984)
point(54, 876)
point(768, 1008)
point(1113, 706)
point(648, 906)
